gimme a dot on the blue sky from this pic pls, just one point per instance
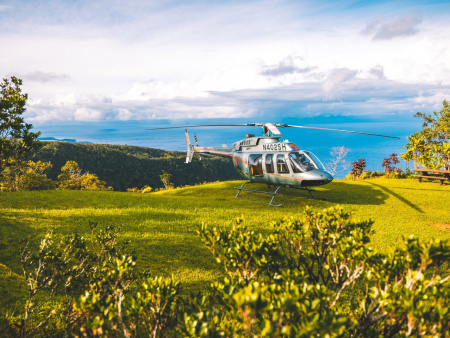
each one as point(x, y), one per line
point(259, 60)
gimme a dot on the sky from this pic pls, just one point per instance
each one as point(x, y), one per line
point(86, 61)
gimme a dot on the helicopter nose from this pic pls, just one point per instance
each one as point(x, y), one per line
point(317, 177)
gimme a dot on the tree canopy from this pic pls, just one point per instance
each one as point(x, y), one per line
point(430, 147)
point(16, 138)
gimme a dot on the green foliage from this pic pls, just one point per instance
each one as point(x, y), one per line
point(72, 179)
point(16, 139)
point(430, 147)
point(162, 228)
point(165, 179)
point(232, 247)
point(301, 286)
point(27, 176)
point(357, 170)
point(145, 189)
point(125, 167)
point(89, 288)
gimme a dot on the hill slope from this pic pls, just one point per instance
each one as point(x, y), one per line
point(125, 167)
point(162, 226)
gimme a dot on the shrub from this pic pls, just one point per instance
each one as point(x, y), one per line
point(145, 189)
point(314, 276)
point(391, 171)
point(319, 277)
point(97, 289)
point(357, 169)
point(27, 176)
point(71, 178)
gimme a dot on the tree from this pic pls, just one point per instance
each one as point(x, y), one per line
point(165, 178)
point(16, 139)
point(72, 179)
point(27, 176)
point(338, 163)
point(430, 147)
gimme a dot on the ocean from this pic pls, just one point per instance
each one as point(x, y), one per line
point(372, 149)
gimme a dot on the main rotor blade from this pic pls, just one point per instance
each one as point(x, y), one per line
point(208, 125)
point(345, 131)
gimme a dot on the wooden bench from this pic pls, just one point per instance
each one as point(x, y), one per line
point(434, 174)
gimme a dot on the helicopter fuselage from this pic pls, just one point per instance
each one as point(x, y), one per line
point(273, 162)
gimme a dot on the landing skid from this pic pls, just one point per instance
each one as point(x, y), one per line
point(275, 193)
point(310, 191)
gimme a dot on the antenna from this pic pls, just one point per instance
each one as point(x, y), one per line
point(196, 143)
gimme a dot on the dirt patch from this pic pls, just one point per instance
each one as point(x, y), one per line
point(441, 226)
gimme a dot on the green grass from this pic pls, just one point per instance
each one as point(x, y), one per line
point(162, 225)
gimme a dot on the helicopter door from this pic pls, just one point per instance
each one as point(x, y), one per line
point(282, 167)
point(269, 164)
point(255, 165)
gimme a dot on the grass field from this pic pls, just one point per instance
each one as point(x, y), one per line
point(162, 225)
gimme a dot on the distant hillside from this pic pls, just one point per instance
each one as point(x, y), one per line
point(125, 167)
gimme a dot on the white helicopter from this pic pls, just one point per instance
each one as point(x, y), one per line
point(268, 159)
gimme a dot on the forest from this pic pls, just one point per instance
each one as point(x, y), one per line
point(124, 167)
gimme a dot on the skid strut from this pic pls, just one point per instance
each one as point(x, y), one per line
point(310, 191)
point(261, 192)
point(275, 193)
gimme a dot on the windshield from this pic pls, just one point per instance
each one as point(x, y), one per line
point(304, 161)
point(315, 160)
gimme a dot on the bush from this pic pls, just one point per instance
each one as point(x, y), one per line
point(72, 179)
point(319, 277)
point(357, 169)
point(391, 171)
point(145, 189)
point(315, 276)
point(27, 176)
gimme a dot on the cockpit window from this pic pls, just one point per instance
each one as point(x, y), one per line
point(282, 167)
point(304, 161)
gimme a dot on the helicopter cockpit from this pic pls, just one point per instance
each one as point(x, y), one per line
point(304, 161)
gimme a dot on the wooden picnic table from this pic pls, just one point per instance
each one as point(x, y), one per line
point(436, 174)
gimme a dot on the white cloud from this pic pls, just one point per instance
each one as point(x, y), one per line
point(377, 72)
point(108, 60)
point(44, 77)
point(5, 8)
point(286, 66)
point(87, 114)
point(426, 100)
point(371, 26)
point(402, 26)
point(337, 77)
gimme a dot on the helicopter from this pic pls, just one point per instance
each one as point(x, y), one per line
point(268, 159)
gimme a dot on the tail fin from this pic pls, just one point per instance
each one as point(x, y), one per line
point(190, 148)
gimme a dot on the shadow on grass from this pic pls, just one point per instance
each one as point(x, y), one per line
point(13, 234)
point(401, 198)
point(435, 190)
point(335, 192)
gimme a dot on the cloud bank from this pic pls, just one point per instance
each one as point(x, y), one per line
point(106, 60)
